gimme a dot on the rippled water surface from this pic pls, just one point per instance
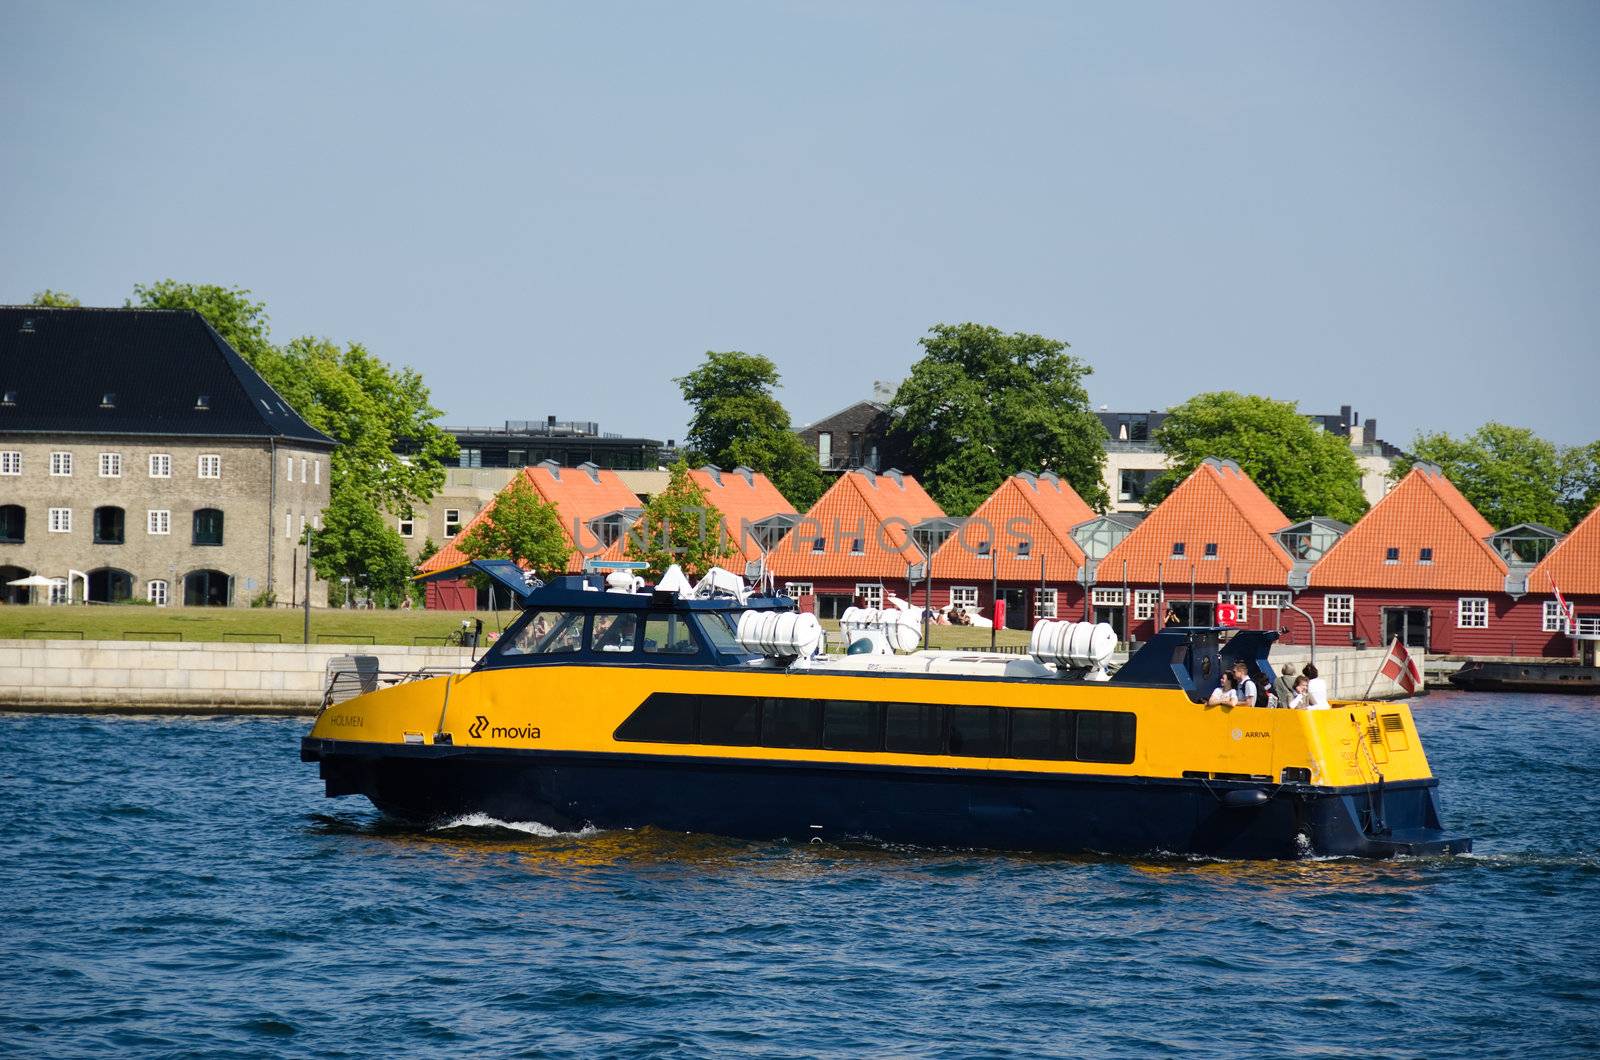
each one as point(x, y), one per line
point(181, 885)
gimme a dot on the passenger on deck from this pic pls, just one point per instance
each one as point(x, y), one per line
point(1246, 688)
point(1301, 700)
point(1316, 689)
point(1224, 694)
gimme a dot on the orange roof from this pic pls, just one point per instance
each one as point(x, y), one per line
point(862, 508)
point(1573, 566)
point(1425, 510)
point(579, 494)
point(1216, 505)
point(742, 501)
point(1041, 508)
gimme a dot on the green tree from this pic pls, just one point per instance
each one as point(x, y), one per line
point(737, 421)
point(681, 526)
point(981, 404)
point(522, 527)
point(1510, 474)
point(357, 542)
point(55, 299)
point(1580, 481)
point(1304, 470)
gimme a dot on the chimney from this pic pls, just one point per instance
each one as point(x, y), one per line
point(1344, 416)
point(1372, 431)
point(550, 422)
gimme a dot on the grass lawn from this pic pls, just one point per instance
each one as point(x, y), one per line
point(272, 625)
point(955, 638)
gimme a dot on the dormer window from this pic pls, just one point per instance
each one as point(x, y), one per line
point(1177, 550)
point(1024, 549)
point(983, 548)
point(1211, 550)
point(1425, 555)
point(856, 547)
point(1392, 555)
point(819, 544)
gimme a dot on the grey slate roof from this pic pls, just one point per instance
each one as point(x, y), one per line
point(59, 366)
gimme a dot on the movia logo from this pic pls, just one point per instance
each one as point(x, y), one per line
point(480, 725)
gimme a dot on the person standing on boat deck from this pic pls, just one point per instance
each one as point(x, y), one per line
point(1301, 698)
point(1172, 617)
point(1246, 687)
point(1316, 689)
point(1223, 695)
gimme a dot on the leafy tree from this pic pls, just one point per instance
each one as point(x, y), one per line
point(737, 420)
point(1580, 481)
point(1304, 470)
point(357, 542)
point(981, 404)
point(1509, 474)
point(55, 299)
point(680, 526)
point(522, 527)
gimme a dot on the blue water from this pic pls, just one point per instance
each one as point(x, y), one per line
point(181, 886)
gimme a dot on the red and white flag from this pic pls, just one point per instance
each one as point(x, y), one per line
point(1400, 667)
point(1566, 609)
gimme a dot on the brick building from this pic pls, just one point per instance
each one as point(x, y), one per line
point(142, 459)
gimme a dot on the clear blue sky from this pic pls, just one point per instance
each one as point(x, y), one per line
point(555, 209)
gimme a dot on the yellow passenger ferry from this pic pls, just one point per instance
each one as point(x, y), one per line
point(611, 707)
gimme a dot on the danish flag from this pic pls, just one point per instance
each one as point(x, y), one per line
point(1400, 667)
point(1566, 609)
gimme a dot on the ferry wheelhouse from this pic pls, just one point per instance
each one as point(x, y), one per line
point(712, 710)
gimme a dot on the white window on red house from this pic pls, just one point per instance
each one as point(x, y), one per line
point(1472, 612)
point(1555, 620)
point(1269, 598)
point(795, 590)
point(871, 592)
point(964, 596)
point(1338, 610)
point(1107, 597)
point(1237, 600)
point(1145, 602)
point(1047, 603)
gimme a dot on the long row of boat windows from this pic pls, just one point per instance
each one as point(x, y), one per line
point(897, 728)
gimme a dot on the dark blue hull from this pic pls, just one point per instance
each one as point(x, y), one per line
point(934, 807)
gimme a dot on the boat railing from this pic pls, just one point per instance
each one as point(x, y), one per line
point(350, 678)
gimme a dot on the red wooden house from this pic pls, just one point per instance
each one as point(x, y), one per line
point(1211, 541)
point(1573, 568)
point(1020, 539)
point(855, 543)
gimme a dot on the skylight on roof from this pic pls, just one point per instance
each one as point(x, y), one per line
point(1211, 550)
point(266, 406)
point(8, 398)
point(202, 403)
point(108, 400)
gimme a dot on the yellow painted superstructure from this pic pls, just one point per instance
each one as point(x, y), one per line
point(578, 708)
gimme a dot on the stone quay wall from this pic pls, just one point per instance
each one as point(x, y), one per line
point(188, 678)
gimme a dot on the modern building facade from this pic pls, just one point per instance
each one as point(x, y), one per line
point(856, 436)
point(142, 459)
point(566, 443)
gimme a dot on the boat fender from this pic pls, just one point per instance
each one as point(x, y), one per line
point(1245, 798)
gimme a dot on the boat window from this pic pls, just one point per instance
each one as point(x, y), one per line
point(718, 627)
point(613, 632)
point(913, 728)
point(1050, 734)
point(1105, 736)
point(731, 720)
point(665, 717)
point(791, 723)
point(669, 635)
point(851, 725)
point(545, 633)
point(978, 732)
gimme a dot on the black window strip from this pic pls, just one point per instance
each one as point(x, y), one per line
point(1104, 736)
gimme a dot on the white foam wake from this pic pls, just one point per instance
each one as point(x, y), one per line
point(483, 820)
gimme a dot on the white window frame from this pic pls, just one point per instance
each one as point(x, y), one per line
point(60, 593)
point(408, 527)
point(824, 449)
point(60, 520)
point(288, 468)
point(155, 592)
point(1047, 603)
point(1269, 599)
point(208, 462)
point(316, 472)
point(160, 465)
point(964, 596)
point(1145, 602)
point(1107, 598)
point(61, 464)
point(288, 526)
point(1339, 609)
point(158, 522)
point(795, 590)
point(871, 592)
point(1238, 599)
point(11, 462)
point(303, 462)
point(452, 521)
point(1472, 612)
point(1555, 619)
point(110, 465)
